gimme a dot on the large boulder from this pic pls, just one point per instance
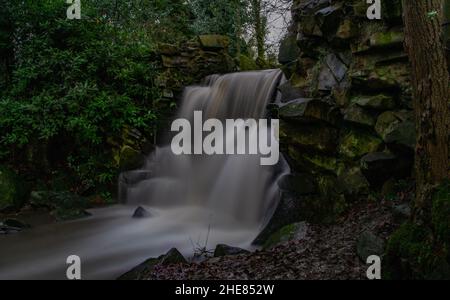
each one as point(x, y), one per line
point(379, 167)
point(13, 190)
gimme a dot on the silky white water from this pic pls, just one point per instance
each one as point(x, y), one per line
point(192, 199)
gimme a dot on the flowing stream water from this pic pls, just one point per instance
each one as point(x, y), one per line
point(192, 199)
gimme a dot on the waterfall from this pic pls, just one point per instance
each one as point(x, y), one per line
point(191, 198)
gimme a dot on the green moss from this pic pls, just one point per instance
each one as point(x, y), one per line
point(356, 143)
point(283, 235)
point(386, 39)
point(421, 252)
point(440, 213)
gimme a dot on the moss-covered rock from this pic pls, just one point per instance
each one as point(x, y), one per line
point(13, 190)
point(348, 29)
point(318, 137)
point(387, 39)
point(396, 128)
point(412, 254)
point(171, 257)
point(359, 115)
point(356, 143)
point(289, 51)
point(310, 110)
point(379, 102)
point(214, 41)
point(296, 231)
point(312, 161)
point(353, 182)
point(421, 251)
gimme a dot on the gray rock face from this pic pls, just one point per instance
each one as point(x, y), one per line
point(369, 244)
point(225, 250)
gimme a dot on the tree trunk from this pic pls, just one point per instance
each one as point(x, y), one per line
point(431, 93)
point(259, 28)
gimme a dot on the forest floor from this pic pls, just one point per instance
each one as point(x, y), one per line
point(327, 252)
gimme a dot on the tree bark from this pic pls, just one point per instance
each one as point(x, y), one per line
point(431, 92)
point(259, 28)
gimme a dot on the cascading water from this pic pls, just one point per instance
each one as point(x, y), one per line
point(191, 198)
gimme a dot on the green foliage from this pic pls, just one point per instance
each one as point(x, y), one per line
point(72, 84)
point(440, 213)
point(422, 252)
point(222, 17)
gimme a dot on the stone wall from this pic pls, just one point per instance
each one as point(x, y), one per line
point(347, 125)
point(179, 65)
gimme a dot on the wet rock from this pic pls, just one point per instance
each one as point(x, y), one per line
point(14, 223)
point(381, 78)
point(326, 80)
point(316, 162)
point(353, 182)
point(289, 93)
point(336, 66)
point(357, 114)
point(369, 244)
point(225, 250)
point(4, 230)
point(357, 143)
point(378, 167)
point(296, 231)
point(379, 102)
point(310, 110)
point(141, 213)
point(171, 257)
point(319, 137)
point(397, 128)
point(289, 50)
